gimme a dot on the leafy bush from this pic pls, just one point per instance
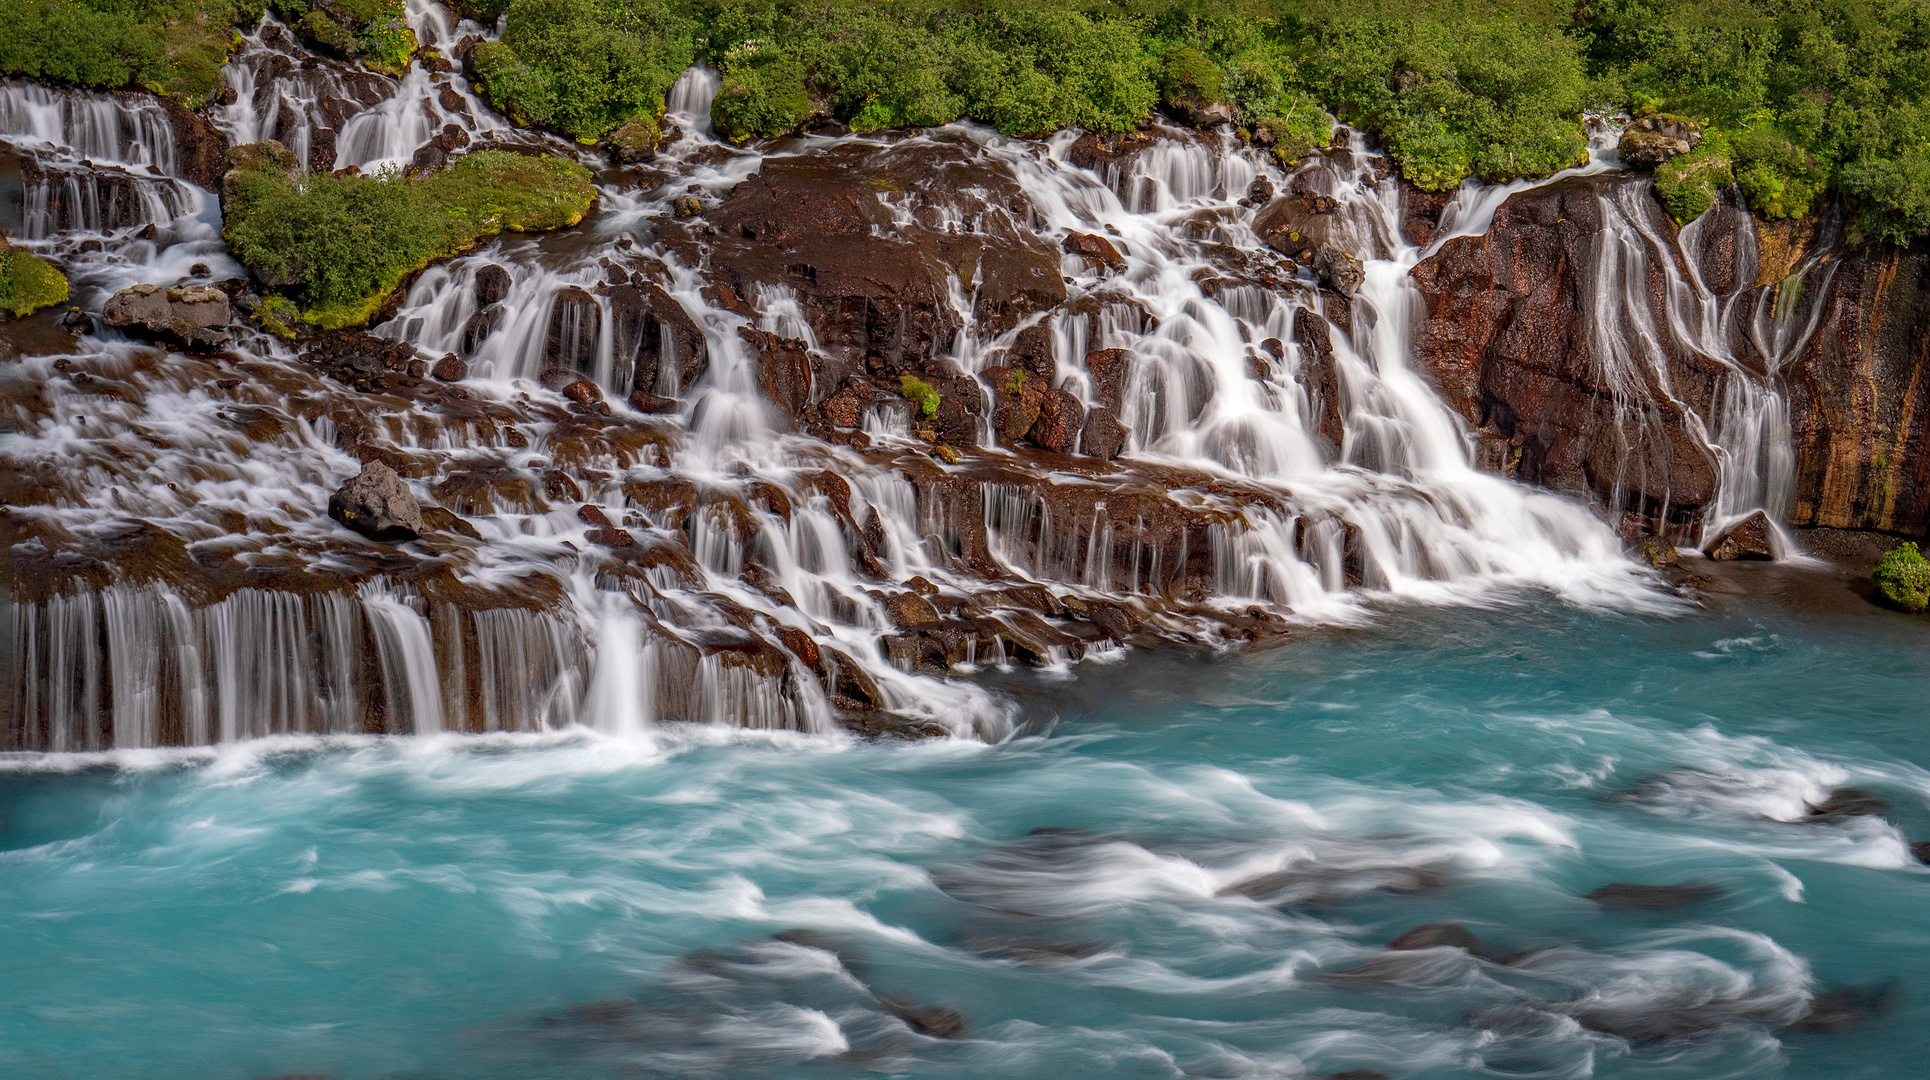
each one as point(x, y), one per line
point(176, 47)
point(1903, 579)
point(1688, 185)
point(762, 94)
point(342, 244)
point(581, 68)
point(1185, 72)
point(1779, 178)
point(29, 283)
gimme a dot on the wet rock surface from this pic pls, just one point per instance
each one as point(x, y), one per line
point(1511, 341)
point(378, 504)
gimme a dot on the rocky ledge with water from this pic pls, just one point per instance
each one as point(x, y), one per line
point(802, 434)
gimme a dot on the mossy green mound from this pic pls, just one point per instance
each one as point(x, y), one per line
point(1903, 579)
point(1688, 185)
point(29, 282)
point(920, 393)
point(340, 245)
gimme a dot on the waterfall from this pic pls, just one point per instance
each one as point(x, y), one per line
point(1283, 455)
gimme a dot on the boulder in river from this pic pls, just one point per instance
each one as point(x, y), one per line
point(1622, 896)
point(1751, 538)
point(1437, 936)
point(192, 318)
point(376, 503)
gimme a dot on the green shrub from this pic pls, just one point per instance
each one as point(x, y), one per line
point(1892, 195)
point(919, 393)
point(342, 244)
point(1903, 579)
point(29, 282)
point(1779, 178)
point(580, 68)
point(762, 94)
point(1185, 73)
point(1034, 71)
point(1688, 185)
point(174, 47)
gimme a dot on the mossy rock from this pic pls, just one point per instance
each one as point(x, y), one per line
point(637, 140)
point(919, 393)
point(293, 231)
point(29, 282)
point(1903, 579)
point(1687, 186)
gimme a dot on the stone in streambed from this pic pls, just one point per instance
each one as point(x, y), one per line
point(1658, 553)
point(377, 504)
point(1848, 802)
point(1438, 936)
point(934, 1020)
point(192, 318)
point(1839, 1010)
point(1622, 896)
point(1103, 436)
point(1097, 251)
point(1061, 416)
point(1751, 538)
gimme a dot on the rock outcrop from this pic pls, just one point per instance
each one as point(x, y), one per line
point(1859, 399)
point(1652, 140)
point(1508, 340)
point(192, 318)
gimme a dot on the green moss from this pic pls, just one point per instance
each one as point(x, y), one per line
point(919, 393)
point(1688, 185)
point(1903, 579)
point(341, 245)
point(277, 315)
point(1015, 382)
point(29, 283)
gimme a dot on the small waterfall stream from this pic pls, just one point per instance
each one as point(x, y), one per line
point(747, 600)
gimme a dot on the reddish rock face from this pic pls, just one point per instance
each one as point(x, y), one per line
point(1751, 538)
point(1858, 401)
point(875, 288)
point(1507, 342)
point(1061, 415)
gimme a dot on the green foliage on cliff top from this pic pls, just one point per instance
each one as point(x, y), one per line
point(175, 47)
point(1815, 93)
point(29, 283)
point(376, 32)
point(1903, 579)
point(919, 393)
point(1688, 185)
point(343, 244)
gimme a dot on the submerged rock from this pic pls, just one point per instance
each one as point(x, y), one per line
point(192, 318)
point(1438, 936)
point(376, 503)
point(1622, 896)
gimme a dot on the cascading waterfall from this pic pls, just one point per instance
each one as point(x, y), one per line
point(747, 532)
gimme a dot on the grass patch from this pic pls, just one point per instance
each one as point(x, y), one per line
point(1903, 579)
point(29, 282)
point(338, 246)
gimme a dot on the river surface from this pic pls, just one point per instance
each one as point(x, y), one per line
point(1180, 866)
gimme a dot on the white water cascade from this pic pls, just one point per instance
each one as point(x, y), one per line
point(766, 582)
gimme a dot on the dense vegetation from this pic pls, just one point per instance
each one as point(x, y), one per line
point(341, 244)
point(28, 282)
point(1805, 99)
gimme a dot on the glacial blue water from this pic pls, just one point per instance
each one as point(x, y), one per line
point(1186, 867)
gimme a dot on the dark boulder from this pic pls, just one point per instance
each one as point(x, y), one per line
point(192, 318)
point(376, 503)
point(1016, 400)
point(1109, 369)
point(1622, 896)
point(451, 368)
point(1061, 416)
point(1097, 251)
point(1438, 936)
point(1751, 538)
point(1103, 436)
point(492, 285)
point(1849, 802)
